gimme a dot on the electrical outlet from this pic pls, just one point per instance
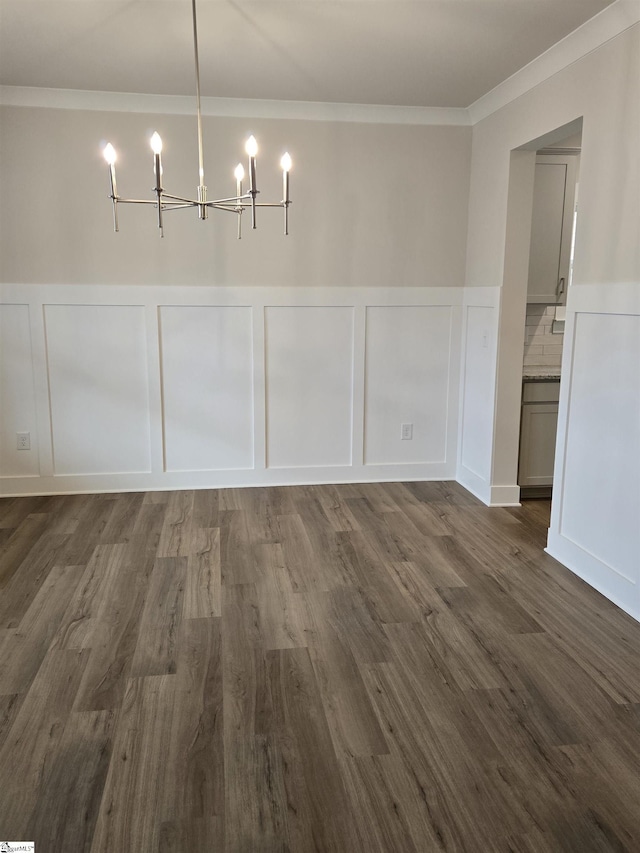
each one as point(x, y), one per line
point(23, 440)
point(406, 432)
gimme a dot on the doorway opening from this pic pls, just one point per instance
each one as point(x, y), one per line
point(550, 274)
point(531, 322)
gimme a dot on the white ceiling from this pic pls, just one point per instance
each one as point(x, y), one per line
point(432, 53)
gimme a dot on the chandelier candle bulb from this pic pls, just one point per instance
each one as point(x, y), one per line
point(109, 153)
point(156, 147)
point(156, 143)
point(239, 176)
point(252, 149)
point(285, 163)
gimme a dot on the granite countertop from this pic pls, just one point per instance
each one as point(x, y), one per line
point(540, 373)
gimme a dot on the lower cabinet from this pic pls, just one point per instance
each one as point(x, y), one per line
point(538, 427)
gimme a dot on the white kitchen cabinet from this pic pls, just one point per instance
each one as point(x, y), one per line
point(538, 429)
point(554, 195)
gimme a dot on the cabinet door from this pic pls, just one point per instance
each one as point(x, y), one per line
point(537, 444)
point(551, 228)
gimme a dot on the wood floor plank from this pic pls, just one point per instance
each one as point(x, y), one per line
point(69, 797)
point(156, 648)
point(281, 612)
point(247, 709)
point(20, 544)
point(381, 812)
point(13, 511)
point(203, 595)
point(206, 506)
point(195, 744)
point(130, 814)
point(82, 615)
point(312, 781)
point(434, 747)
point(178, 836)
point(389, 600)
point(300, 557)
point(354, 727)
point(32, 739)
point(607, 781)
point(24, 651)
point(336, 509)
point(586, 629)
point(142, 547)
point(355, 623)
point(9, 707)
point(175, 538)
point(113, 642)
point(23, 587)
point(257, 806)
point(93, 518)
point(122, 519)
point(237, 550)
point(329, 561)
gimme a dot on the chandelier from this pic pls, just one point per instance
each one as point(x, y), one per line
point(166, 201)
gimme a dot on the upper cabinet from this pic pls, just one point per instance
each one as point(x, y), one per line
point(552, 225)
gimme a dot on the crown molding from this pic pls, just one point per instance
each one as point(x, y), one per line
point(79, 99)
point(606, 25)
point(595, 32)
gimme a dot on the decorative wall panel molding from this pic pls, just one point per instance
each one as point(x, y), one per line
point(207, 387)
point(140, 387)
point(411, 361)
point(594, 525)
point(98, 389)
point(17, 393)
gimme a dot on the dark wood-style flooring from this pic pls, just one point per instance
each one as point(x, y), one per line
point(366, 668)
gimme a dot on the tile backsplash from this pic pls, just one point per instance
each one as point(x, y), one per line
point(540, 346)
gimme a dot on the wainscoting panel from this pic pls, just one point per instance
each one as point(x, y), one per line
point(17, 393)
point(480, 316)
point(596, 504)
point(309, 384)
point(408, 365)
point(177, 387)
point(96, 360)
point(207, 387)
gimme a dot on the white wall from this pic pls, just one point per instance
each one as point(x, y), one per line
point(595, 458)
point(373, 204)
point(143, 387)
point(198, 359)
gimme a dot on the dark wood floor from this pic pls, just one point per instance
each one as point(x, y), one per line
point(346, 668)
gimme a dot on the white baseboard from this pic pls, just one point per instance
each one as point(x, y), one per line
point(473, 483)
point(597, 574)
point(505, 496)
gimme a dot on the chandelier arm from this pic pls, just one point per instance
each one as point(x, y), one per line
point(229, 208)
point(235, 200)
point(136, 201)
point(177, 206)
point(179, 198)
